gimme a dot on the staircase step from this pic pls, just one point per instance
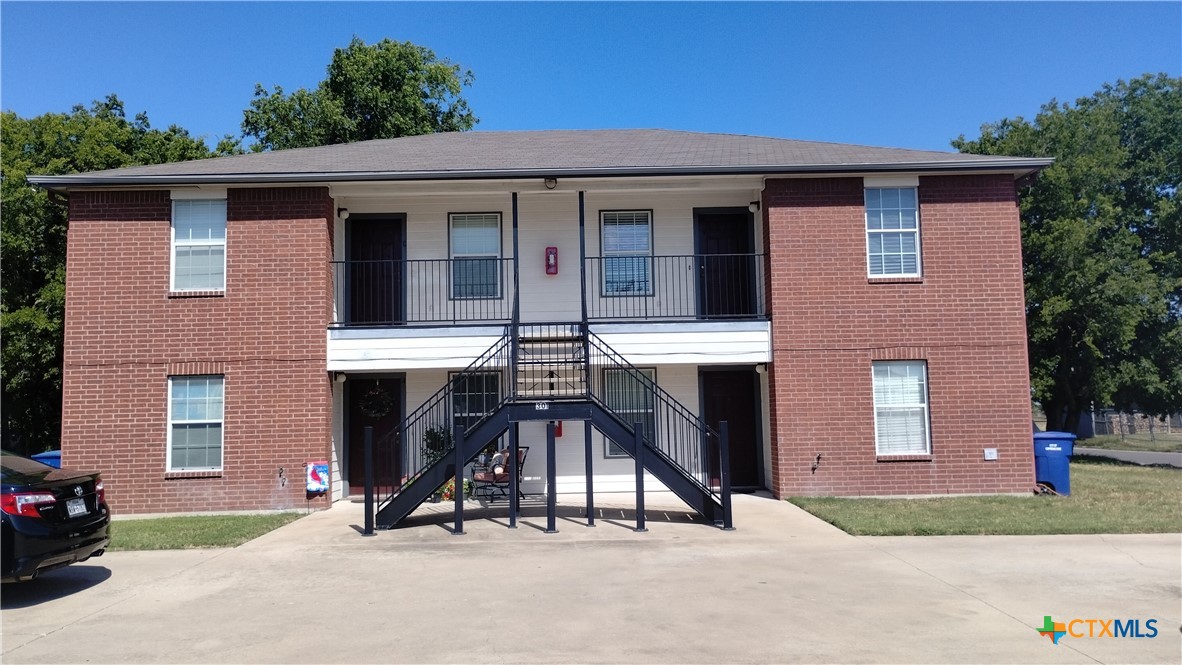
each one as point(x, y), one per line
point(540, 393)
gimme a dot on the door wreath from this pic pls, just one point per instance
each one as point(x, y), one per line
point(377, 402)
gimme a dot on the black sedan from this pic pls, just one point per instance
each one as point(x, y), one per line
point(50, 517)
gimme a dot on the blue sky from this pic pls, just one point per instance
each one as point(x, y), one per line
point(894, 74)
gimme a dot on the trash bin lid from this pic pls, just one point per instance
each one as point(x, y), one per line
point(1065, 436)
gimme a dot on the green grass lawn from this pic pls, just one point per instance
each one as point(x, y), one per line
point(1161, 442)
point(178, 533)
point(1105, 498)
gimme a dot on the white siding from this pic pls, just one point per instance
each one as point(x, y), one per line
point(378, 349)
point(549, 219)
point(335, 469)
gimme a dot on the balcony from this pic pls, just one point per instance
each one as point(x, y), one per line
point(479, 291)
point(695, 287)
point(422, 292)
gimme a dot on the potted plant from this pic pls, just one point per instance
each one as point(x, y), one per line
point(437, 443)
point(448, 493)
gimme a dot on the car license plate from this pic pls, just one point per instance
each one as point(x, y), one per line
point(76, 507)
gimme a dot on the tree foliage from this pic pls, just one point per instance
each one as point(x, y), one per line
point(1102, 244)
point(384, 90)
point(33, 245)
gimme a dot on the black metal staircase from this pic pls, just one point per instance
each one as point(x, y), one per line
point(543, 372)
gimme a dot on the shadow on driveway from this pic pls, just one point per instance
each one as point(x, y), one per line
point(52, 585)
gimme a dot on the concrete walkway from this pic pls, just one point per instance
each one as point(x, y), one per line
point(1142, 457)
point(784, 587)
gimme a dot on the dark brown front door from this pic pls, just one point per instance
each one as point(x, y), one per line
point(726, 267)
point(375, 403)
point(375, 269)
point(733, 396)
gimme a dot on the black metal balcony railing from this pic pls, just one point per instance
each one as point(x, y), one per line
point(690, 286)
point(618, 288)
point(423, 291)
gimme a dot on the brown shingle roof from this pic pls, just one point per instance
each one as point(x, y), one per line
point(533, 153)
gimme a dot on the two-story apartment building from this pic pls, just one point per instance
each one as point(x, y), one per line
point(854, 314)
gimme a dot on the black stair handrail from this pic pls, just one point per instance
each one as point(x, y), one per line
point(424, 437)
point(672, 429)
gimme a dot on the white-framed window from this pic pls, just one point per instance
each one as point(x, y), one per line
point(630, 397)
point(475, 396)
point(476, 252)
point(627, 241)
point(195, 415)
point(199, 245)
point(892, 232)
point(901, 421)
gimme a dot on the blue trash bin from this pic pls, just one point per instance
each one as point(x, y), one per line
point(52, 458)
point(1052, 460)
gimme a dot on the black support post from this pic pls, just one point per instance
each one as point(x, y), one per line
point(516, 268)
point(458, 438)
point(368, 481)
point(583, 256)
point(590, 473)
point(514, 481)
point(551, 481)
point(638, 442)
point(515, 323)
point(725, 471)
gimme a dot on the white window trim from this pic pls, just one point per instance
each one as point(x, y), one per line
point(453, 255)
point(651, 373)
point(925, 405)
point(918, 236)
point(169, 423)
point(605, 256)
point(173, 244)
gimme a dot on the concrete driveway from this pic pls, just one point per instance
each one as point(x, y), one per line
point(784, 587)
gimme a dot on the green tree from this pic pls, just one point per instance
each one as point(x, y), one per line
point(33, 245)
point(384, 90)
point(1102, 244)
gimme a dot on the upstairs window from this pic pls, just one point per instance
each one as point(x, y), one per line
point(901, 408)
point(475, 253)
point(627, 251)
point(892, 232)
point(195, 412)
point(199, 245)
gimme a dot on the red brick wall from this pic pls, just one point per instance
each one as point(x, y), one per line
point(125, 335)
point(965, 317)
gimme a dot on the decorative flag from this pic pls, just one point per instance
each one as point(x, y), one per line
point(317, 476)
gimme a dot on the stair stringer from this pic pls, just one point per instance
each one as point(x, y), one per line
point(686, 488)
point(439, 473)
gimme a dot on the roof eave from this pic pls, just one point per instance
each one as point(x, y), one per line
point(1019, 167)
